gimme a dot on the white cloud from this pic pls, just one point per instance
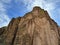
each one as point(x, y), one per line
point(4, 19)
point(47, 5)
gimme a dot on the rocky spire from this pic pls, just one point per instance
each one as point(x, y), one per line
point(35, 28)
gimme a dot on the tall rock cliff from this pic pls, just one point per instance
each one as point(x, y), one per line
point(35, 28)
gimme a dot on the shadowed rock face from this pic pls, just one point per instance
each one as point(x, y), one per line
point(59, 34)
point(35, 28)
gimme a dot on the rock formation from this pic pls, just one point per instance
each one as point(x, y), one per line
point(35, 28)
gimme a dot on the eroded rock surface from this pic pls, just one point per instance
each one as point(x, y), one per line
point(35, 28)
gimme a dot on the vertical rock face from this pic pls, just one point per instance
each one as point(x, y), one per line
point(59, 34)
point(2, 35)
point(35, 28)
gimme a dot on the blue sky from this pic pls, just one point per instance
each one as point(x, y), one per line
point(16, 8)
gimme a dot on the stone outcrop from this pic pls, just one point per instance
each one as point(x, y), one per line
point(59, 34)
point(35, 28)
point(2, 35)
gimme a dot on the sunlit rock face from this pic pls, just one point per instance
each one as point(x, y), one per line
point(35, 28)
